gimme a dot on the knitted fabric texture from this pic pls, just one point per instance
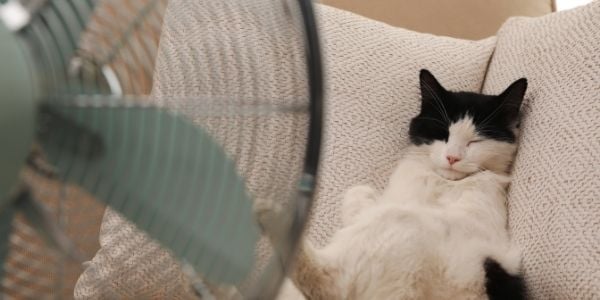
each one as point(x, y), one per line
point(554, 199)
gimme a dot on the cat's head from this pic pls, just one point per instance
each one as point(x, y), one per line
point(464, 132)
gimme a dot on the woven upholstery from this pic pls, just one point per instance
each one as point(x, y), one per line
point(372, 91)
point(129, 265)
point(554, 200)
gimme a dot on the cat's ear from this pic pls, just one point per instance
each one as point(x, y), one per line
point(511, 99)
point(430, 87)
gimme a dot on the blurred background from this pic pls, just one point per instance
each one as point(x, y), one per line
point(468, 19)
point(568, 4)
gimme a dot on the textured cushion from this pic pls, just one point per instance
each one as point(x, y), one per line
point(554, 200)
point(372, 91)
point(130, 265)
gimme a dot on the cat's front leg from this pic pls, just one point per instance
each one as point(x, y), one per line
point(356, 199)
point(313, 277)
point(274, 219)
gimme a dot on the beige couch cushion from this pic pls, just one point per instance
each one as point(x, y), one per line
point(554, 211)
point(372, 91)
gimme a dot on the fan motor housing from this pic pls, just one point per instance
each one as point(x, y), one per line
point(17, 111)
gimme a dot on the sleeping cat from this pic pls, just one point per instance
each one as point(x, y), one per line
point(438, 230)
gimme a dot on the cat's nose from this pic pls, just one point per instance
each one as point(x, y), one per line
point(452, 159)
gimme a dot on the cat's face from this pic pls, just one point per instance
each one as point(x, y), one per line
point(466, 132)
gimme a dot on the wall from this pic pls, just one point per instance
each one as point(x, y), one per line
point(470, 19)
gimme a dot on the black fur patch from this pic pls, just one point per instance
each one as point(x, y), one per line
point(494, 116)
point(500, 285)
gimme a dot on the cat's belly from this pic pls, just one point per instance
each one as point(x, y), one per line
point(390, 249)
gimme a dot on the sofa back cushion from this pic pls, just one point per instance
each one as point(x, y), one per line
point(554, 200)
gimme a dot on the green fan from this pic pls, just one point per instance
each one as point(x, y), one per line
point(84, 119)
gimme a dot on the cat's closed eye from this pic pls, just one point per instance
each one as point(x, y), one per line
point(473, 141)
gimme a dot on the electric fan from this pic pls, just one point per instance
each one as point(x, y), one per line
point(81, 130)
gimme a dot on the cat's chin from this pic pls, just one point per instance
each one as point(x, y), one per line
point(451, 174)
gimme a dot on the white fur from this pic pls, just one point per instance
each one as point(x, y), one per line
point(428, 233)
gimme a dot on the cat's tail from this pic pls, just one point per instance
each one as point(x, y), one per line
point(502, 285)
point(309, 271)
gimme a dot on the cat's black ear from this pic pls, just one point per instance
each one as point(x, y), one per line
point(430, 87)
point(511, 99)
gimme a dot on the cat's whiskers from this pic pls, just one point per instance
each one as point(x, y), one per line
point(440, 105)
point(438, 121)
point(484, 130)
point(495, 111)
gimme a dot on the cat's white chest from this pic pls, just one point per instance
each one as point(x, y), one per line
point(411, 184)
point(422, 225)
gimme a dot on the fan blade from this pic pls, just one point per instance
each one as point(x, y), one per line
point(163, 173)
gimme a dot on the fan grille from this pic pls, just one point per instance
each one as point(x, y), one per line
point(237, 70)
point(34, 271)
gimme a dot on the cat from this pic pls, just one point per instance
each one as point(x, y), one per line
point(439, 228)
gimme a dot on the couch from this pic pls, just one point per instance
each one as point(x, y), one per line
point(372, 92)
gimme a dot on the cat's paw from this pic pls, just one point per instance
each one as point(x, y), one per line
point(267, 213)
point(355, 200)
point(274, 220)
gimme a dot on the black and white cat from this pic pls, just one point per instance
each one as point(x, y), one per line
point(439, 228)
